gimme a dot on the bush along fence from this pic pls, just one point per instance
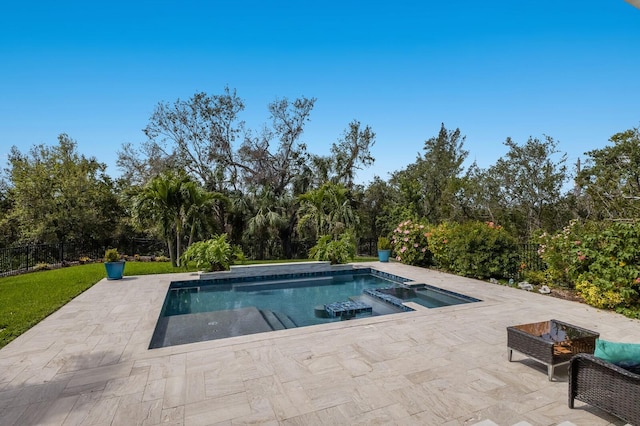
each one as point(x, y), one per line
point(20, 259)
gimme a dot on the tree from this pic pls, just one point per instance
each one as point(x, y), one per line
point(525, 186)
point(429, 187)
point(278, 169)
point(375, 208)
point(611, 179)
point(196, 135)
point(169, 203)
point(59, 195)
point(326, 210)
point(351, 153)
point(200, 211)
point(267, 220)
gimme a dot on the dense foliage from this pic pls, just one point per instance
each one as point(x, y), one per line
point(202, 172)
point(474, 249)
point(211, 255)
point(600, 259)
point(339, 249)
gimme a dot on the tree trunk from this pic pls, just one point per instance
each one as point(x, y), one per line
point(178, 247)
point(172, 253)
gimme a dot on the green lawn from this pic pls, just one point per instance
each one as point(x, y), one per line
point(27, 299)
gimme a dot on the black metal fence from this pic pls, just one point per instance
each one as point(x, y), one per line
point(19, 259)
point(14, 260)
point(530, 258)
point(275, 249)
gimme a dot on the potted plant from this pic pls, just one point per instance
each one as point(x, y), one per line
point(113, 264)
point(384, 249)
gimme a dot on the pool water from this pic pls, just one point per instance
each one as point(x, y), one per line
point(202, 310)
point(295, 298)
point(426, 295)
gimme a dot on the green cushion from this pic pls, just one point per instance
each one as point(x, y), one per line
point(626, 355)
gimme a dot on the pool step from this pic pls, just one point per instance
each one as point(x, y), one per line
point(277, 320)
point(347, 309)
point(380, 307)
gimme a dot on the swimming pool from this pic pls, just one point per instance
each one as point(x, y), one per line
point(200, 310)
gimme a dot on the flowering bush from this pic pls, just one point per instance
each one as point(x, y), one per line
point(411, 244)
point(556, 250)
point(601, 260)
point(606, 263)
point(601, 296)
point(474, 249)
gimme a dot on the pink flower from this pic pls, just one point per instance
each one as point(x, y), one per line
point(424, 249)
point(638, 280)
point(406, 240)
point(582, 257)
point(577, 242)
point(415, 245)
point(406, 231)
point(403, 249)
point(398, 258)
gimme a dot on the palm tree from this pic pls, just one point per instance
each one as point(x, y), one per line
point(200, 208)
point(326, 210)
point(267, 220)
point(169, 202)
point(157, 204)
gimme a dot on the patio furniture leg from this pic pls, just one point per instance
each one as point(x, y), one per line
point(509, 353)
point(550, 372)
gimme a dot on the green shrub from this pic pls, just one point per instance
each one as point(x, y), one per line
point(111, 255)
point(384, 243)
point(555, 251)
point(474, 249)
point(534, 277)
point(606, 265)
point(215, 254)
point(340, 250)
point(601, 260)
point(410, 243)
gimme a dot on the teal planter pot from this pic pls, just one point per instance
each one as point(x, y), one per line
point(115, 270)
point(383, 255)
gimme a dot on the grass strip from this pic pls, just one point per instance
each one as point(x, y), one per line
point(27, 299)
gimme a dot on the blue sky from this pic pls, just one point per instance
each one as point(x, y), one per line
point(96, 70)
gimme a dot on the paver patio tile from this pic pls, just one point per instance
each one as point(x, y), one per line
point(89, 364)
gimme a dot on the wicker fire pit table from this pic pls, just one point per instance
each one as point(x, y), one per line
point(550, 342)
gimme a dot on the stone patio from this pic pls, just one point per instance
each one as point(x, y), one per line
point(89, 364)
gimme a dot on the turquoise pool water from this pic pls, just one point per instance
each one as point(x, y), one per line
point(201, 310)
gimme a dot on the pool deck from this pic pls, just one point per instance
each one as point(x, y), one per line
point(88, 364)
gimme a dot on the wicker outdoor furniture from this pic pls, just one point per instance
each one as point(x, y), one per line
point(550, 342)
point(606, 386)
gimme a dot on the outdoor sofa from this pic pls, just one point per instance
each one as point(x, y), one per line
point(605, 385)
